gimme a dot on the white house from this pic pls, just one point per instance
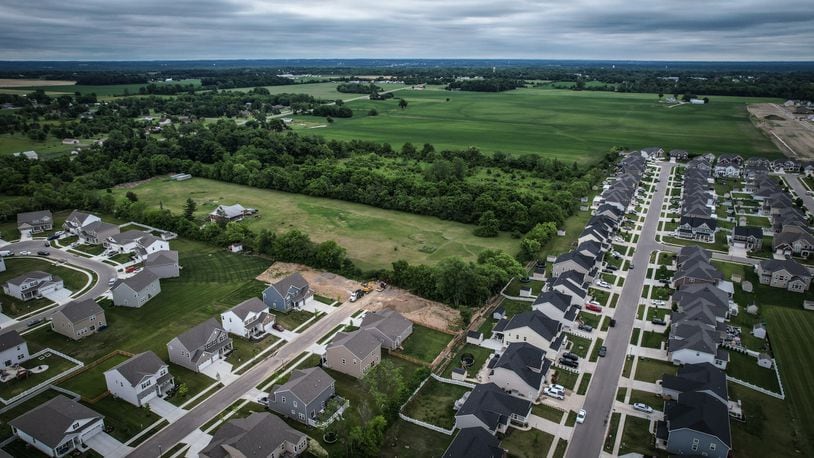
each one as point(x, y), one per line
point(139, 242)
point(13, 349)
point(533, 327)
point(521, 370)
point(58, 427)
point(249, 319)
point(139, 379)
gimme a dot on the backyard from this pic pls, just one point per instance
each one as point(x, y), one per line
point(56, 365)
point(434, 403)
point(425, 343)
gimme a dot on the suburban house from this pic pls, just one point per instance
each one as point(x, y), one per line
point(690, 253)
point(556, 306)
point(58, 426)
point(77, 220)
point(35, 222)
point(701, 378)
point(693, 342)
point(475, 442)
point(388, 326)
point(653, 152)
point(163, 264)
point(573, 260)
point(135, 291)
point(700, 228)
point(696, 271)
point(786, 273)
point(702, 295)
point(352, 353)
point(227, 213)
point(303, 396)
point(572, 284)
point(261, 434)
point(748, 237)
point(289, 293)
point(32, 285)
point(13, 349)
point(140, 379)
point(696, 424)
point(793, 240)
point(200, 346)
point(79, 319)
point(139, 242)
point(521, 370)
point(489, 407)
point(249, 319)
point(679, 154)
point(533, 327)
point(98, 232)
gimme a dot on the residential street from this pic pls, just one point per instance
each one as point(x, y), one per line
point(588, 437)
point(797, 186)
point(200, 414)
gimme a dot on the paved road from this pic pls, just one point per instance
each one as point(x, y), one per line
point(794, 182)
point(200, 414)
point(104, 273)
point(589, 437)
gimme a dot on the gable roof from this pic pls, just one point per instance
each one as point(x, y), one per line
point(99, 226)
point(525, 360)
point(259, 434)
point(697, 377)
point(293, 285)
point(790, 265)
point(493, 406)
point(197, 336)
point(10, 339)
point(133, 235)
point(557, 299)
point(474, 443)
point(137, 282)
point(306, 384)
point(76, 311)
point(49, 422)
point(748, 231)
point(34, 275)
point(699, 270)
point(35, 218)
point(537, 321)
point(139, 366)
point(699, 412)
point(161, 258)
point(581, 260)
point(360, 343)
point(229, 211)
point(693, 335)
point(243, 309)
point(691, 292)
point(388, 321)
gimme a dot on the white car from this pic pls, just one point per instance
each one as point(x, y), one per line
point(556, 394)
point(557, 387)
point(658, 302)
point(581, 416)
point(641, 407)
point(603, 284)
point(25, 253)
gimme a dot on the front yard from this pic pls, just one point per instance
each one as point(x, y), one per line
point(15, 266)
point(651, 370)
point(527, 444)
point(637, 438)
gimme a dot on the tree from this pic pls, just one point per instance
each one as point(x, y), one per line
point(385, 383)
point(131, 196)
point(488, 225)
point(402, 104)
point(189, 208)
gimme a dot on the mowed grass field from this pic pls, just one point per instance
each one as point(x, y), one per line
point(373, 237)
point(100, 90)
point(792, 334)
point(325, 91)
point(566, 124)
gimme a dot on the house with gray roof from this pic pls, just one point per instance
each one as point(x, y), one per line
point(200, 346)
point(692, 342)
point(747, 237)
point(696, 271)
point(353, 353)
point(697, 425)
point(701, 377)
point(137, 242)
point(304, 396)
point(135, 291)
point(521, 370)
point(784, 273)
point(163, 264)
point(77, 220)
point(13, 349)
point(78, 319)
point(571, 283)
point(58, 426)
point(489, 407)
point(227, 213)
point(98, 232)
point(140, 379)
point(2, 264)
point(710, 296)
point(35, 222)
point(388, 326)
point(554, 304)
point(475, 443)
point(289, 293)
point(690, 253)
point(261, 434)
point(32, 285)
point(533, 327)
point(249, 319)
point(699, 228)
point(793, 241)
point(573, 260)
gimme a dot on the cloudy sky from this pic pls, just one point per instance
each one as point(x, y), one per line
point(545, 29)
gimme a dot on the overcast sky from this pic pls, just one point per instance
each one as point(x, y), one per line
point(544, 29)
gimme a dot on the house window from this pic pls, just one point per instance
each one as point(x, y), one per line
point(295, 404)
point(343, 361)
point(283, 399)
point(20, 356)
point(92, 317)
point(712, 447)
point(146, 384)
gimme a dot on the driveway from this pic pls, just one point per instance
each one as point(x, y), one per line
point(107, 446)
point(166, 410)
point(197, 440)
point(312, 305)
point(60, 296)
point(221, 371)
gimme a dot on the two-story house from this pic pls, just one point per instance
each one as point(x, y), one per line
point(200, 346)
point(261, 434)
point(35, 222)
point(492, 409)
point(58, 426)
point(388, 326)
point(304, 396)
point(163, 264)
point(533, 327)
point(78, 319)
point(135, 291)
point(353, 353)
point(786, 273)
point(13, 349)
point(77, 220)
point(696, 424)
point(289, 293)
point(140, 379)
point(32, 285)
point(521, 370)
point(249, 319)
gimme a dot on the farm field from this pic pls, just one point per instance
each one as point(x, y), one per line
point(573, 126)
point(50, 147)
point(326, 91)
point(373, 237)
point(100, 90)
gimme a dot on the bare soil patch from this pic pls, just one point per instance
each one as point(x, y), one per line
point(417, 309)
point(795, 138)
point(10, 82)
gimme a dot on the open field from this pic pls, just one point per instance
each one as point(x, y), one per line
point(425, 343)
point(790, 135)
point(13, 82)
point(325, 91)
point(373, 237)
point(434, 403)
point(566, 124)
point(768, 430)
point(50, 147)
point(100, 90)
point(527, 444)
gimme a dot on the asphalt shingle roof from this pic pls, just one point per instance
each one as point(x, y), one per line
point(139, 366)
point(76, 311)
point(259, 434)
point(306, 384)
point(49, 422)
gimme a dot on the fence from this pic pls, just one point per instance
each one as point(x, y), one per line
point(332, 418)
point(404, 417)
point(409, 358)
point(758, 388)
point(43, 385)
point(453, 382)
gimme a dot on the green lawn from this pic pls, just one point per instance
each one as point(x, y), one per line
point(595, 350)
point(481, 354)
point(770, 430)
point(323, 91)
point(126, 419)
point(292, 319)
point(565, 378)
point(91, 383)
point(407, 440)
point(650, 370)
point(610, 439)
point(527, 444)
point(434, 403)
point(636, 438)
point(48, 148)
point(580, 345)
point(547, 412)
point(425, 343)
point(584, 383)
point(744, 367)
point(513, 307)
point(245, 350)
point(645, 397)
point(513, 289)
point(373, 237)
point(56, 365)
point(73, 280)
point(568, 124)
point(589, 318)
point(652, 339)
point(562, 445)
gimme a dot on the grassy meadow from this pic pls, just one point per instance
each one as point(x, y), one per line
point(373, 237)
point(558, 123)
point(325, 91)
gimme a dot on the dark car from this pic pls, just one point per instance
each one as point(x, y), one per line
point(278, 327)
point(525, 280)
point(603, 350)
point(612, 322)
point(611, 267)
point(658, 321)
point(569, 363)
point(540, 264)
point(585, 327)
point(571, 356)
point(43, 253)
point(54, 237)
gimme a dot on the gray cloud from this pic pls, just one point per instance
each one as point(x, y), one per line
point(588, 29)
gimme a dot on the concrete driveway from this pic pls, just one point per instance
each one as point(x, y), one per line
point(166, 410)
point(61, 296)
point(221, 371)
point(107, 446)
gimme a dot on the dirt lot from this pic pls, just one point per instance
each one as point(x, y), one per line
point(7, 82)
point(417, 309)
point(795, 138)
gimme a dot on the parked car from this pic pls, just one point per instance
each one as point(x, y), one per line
point(658, 302)
point(44, 253)
point(131, 269)
point(278, 327)
point(612, 322)
point(570, 356)
point(585, 327)
point(25, 253)
point(54, 237)
point(569, 363)
point(111, 282)
point(658, 321)
point(356, 295)
point(5, 253)
point(603, 350)
point(556, 394)
point(581, 416)
point(631, 266)
point(525, 280)
point(593, 307)
point(641, 407)
point(611, 267)
point(603, 283)
point(557, 387)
